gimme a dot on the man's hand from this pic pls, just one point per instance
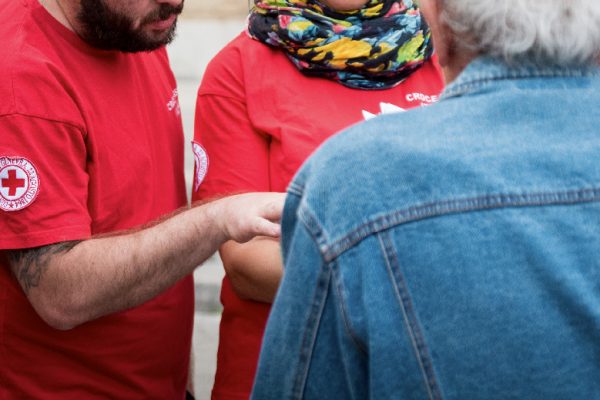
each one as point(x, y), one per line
point(245, 216)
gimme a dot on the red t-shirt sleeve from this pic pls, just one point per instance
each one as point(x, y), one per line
point(56, 156)
point(238, 154)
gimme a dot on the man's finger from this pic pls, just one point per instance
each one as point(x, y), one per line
point(273, 210)
point(265, 227)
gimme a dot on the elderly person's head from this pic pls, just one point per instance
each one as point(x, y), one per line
point(544, 32)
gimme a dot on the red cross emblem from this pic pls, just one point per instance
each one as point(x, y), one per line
point(19, 183)
point(13, 183)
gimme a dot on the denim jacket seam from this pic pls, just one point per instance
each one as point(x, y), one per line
point(310, 332)
point(312, 225)
point(411, 321)
point(332, 250)
point(295, 189)
point(354, 337)
point(475, 81)
point(318, 235)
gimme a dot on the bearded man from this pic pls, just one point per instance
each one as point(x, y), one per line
point(96, 297)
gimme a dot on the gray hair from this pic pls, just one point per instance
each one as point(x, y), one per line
point(563, 32)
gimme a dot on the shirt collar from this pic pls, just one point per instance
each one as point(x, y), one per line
point(485, 69)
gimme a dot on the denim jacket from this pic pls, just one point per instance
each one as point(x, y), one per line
point(449, 252)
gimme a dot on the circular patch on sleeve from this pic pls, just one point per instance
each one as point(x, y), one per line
point(201, 161)
point(19, 183)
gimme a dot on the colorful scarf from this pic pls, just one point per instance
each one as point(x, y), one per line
point(375, 47)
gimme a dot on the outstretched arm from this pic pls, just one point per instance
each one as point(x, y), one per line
point(74, 282)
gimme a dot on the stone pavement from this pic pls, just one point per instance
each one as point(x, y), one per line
point(199, 38)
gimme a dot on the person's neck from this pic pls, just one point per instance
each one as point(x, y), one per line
point(60, 11)
point(453, 68)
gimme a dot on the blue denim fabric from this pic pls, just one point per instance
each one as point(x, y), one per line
point(450, 252)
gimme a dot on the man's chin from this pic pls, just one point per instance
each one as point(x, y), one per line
point(157, 38)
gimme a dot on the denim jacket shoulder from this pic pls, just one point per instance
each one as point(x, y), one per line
point(387, 292)
point(492, 141)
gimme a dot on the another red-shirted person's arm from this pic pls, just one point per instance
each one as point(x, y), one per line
point(239, 162)
point(254, 268)
point(74, 282)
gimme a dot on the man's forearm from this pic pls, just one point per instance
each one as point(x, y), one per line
point(253, 268)
point(100, 276)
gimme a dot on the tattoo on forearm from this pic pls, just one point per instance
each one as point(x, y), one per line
point(29, 265)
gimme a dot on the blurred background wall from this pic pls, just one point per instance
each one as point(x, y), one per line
point(203, 29)
point(221, 9)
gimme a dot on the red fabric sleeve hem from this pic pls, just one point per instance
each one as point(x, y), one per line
point(36, 239)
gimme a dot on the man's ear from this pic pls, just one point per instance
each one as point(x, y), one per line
point(443, 39)
point(452, 56)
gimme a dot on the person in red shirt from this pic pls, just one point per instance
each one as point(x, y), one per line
point(96, 297)
point(305, 71)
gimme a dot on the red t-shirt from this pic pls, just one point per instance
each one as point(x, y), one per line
point(258, 118)
point(90, 142)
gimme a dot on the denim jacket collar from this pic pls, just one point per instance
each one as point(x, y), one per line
point(485, 69)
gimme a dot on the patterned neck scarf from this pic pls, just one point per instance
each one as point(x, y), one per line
point(375, 47)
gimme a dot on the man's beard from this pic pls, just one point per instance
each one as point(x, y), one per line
point(106, 29)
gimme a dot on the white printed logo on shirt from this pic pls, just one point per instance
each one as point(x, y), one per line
point(423, 99)
point(201, 160)
point(386, 108)
point(19, 183)
point(173, 104)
